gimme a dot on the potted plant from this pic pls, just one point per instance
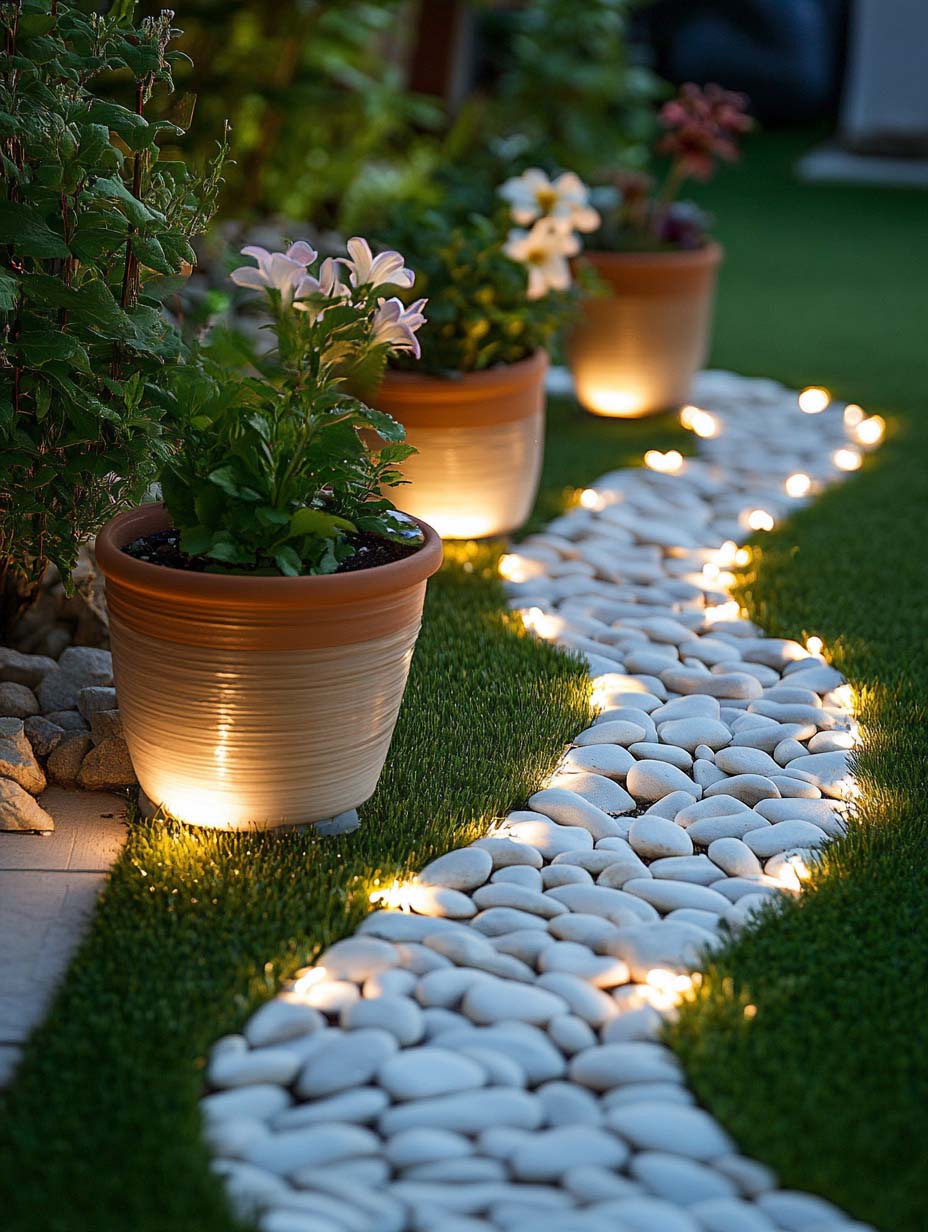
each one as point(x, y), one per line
point(95, 231)
point(498, 294)
point(637, 346)
point(263, 617)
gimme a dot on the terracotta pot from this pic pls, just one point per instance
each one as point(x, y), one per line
point(258, 701)
point(636, 350)
point(480, 437)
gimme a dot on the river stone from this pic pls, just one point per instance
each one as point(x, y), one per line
point(551, 1153)
point(610, 1065)
point(394, 982)
point(782, 835)
point(589, 1183)
point(17, 760)
point(646, 751)
point(788, 713)
point(696, 869)
point(571, 1034)
point(88, 665)
point(350, 1061)
point(610, 760)
point(357, 958)
point(643, 1212)
point(734, 857)
point(617, 731)
point(464, 869)
point(565, 1103)
point(488, 1002)
point(506, 853)
point(466, 1112)
point(399, 1015)
point(734, 825)
point(520, 875)
point(497, 921)
point(818, 678)
point(675, 1129)
point(796, 1212)
point(570, 809)
point(311, 1146)
point(748, 788)
point(590, 1004)
point(678, 1180)
point(705, 772)
point(258, 1102)
point(280, 1020)
point(602, 792)
point(652, 780)
point(401, 926)
point(17, 700)
point(446, 988)
point(527, 1045)
point(547, 836)
point(357, 1106)
point(501, 895)
point(742, 760)
point(564, 874)
point(694, 706)
point(425, 1146)
point(821, 812)
point(617, 872)
point(471, 949)
point(793, 695)
point(689, 733)
point(791, 787)
point(107, 765)
point(830, 772)
point(676, 946)
point(653, 837)
point(671, 895)
point(18, 810)
point(593, 861)
point(64, 764)
point(737, 685)
point(614, 905)
point(730, 1215)
point(709, 806)
point(588, 930)
point(669, 806)
point(438, 901)
point(576, 959)
point(751, 1177)
point(428, 1071)
point(642, 1024)
point(57, 690)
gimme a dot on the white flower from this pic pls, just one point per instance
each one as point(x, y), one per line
point(397, 325)
point(277, 271)
point(326, 284)
point(532, 195)
point(544, 250)
point(366, 269)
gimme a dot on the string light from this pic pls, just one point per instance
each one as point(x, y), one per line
point(666, 988)
point(701, 422)
point(847, 459)
point(743, 557)
point(591, 499)
point(870, 431)
point(761, 519)
point(668, 463)
point(798, 485)
point(722, 611)
point(814, 645)
point(853, 414)
point(814, 399)
point(727, 553)
point(396, 897)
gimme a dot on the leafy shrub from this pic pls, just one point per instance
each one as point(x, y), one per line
point(94, 226)
point(275, 471)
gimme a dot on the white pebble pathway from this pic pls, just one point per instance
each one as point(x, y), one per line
point(484, 1053)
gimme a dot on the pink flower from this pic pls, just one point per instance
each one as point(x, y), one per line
point(396, 325)
point(387, 268)
point(326, 284)
point(703, 126)
point(283, 272)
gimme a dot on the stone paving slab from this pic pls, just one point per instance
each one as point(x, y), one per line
point(49, 885)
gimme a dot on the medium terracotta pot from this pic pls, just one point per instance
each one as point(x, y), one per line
point(480, 437)
point(636, 350)
point(258, 701)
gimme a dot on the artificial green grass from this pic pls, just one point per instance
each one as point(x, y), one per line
point(827, 1080)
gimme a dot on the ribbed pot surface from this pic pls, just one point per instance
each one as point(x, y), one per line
point(258, 702)
point(636, 350)
point(480, 442)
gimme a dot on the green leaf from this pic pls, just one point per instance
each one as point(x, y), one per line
point(136, 211)
point(288, 562)
point(225, 477)
point(40, 348)
point(9, 290)
point(23, 227)
point(196, 540)
point(318, 523)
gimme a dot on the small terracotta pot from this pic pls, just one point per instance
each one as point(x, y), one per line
point(636, 350)
point(258, 701)
point(480, 437)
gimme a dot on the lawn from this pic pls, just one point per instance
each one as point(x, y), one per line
point(195, 928)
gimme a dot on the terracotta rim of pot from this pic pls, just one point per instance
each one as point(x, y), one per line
point(655, 273)
point(464, 399)
point(261, 613)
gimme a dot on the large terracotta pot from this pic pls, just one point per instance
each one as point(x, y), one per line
point(636, 350)
point(480, 437)
point(258, 701)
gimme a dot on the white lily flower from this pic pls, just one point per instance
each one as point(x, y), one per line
point(544, 251)
point(387, 268)
point(277, 271)
point(532, 195)
point(326, 284)
point(395, 324)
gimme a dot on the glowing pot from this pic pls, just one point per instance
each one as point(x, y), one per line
point(636, 350)
point(480, 437)
point(258, 701)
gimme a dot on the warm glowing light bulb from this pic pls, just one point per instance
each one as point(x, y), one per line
point(798, 484)
point(667, 988)
point(814, 399)
point(591, 499)
point(397, 896)
point(727, 553)
point(743, 557)
point(760, 519)
point(847, 459)
point(700, 422)
point(853, 414)
point(814, 645)
point(870, 431)
point(722, 611)
point(545, 624)
point(668, 463)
